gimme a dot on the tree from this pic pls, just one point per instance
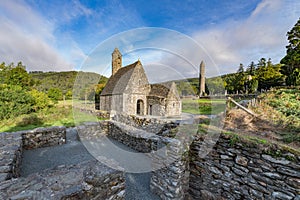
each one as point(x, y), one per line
point(41, 100)
point(215, 85)
point(14, 101)
point(270, 76)
point(291, 60)
point(240, 79)
point(261, 63)
point(251, 69)
point(69, 94)
point(241, 68)
point(55, 94)
point(18, 75)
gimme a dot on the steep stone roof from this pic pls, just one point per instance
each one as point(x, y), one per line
point(160, 90)
point(117, 83)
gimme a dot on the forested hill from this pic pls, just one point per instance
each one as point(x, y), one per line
point(64, 81)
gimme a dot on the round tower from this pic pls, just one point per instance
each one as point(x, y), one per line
point(202, 79)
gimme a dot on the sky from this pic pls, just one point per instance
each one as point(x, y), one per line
point(61, 35)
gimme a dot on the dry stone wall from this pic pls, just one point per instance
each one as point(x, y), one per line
point(87, 180)
point(44, 137)
point(152, 125)
point(241, 170)
point(12, 145)
point(169, 179)
point(233, 169)
point(10, 155)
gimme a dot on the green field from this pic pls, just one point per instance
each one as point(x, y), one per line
point(203, 106)
point(60, 115)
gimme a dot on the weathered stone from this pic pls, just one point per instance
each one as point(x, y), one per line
point(272, 175)
point(280, 195)
point(225, 157)
point(294, 182)
point(277, 161)
point(297, 197)
point(239, 172)
point(256, 194)
point(289, 172)
point(4, 176)
point(241, 160)
point(215, 170)
point(5, 169)
point(264, 179)
point(207, 195)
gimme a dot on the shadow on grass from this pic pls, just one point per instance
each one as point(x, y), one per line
point(33, 121)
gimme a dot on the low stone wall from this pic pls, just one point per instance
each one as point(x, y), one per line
point(152, 125)
point(99, 113)
point(43, 137)
point(136, 139)
point(93, 130)
point(88, 180)
point(169, 180)
point(12, 145)
point(236, 169)
point(10, 155)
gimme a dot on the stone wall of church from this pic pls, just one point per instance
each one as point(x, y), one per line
point(173, 108)
point(131, 100)
point(117, 103)
point(173, 103)
point(156, 106)
point(105, 103)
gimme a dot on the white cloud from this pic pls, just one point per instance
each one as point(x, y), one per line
point(34, 53)
point(262, 34)
point(26, 36)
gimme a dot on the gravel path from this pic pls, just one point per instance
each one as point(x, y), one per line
point(74, 152)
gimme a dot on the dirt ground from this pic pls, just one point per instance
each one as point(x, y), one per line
point(239, 121)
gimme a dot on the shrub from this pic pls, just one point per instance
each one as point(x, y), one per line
point(14, 101)
point(41, 100)
point(55, 94)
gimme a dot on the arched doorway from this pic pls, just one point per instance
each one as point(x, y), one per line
point(140, 107)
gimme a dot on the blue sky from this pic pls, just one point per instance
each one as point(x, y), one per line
point(60, 35)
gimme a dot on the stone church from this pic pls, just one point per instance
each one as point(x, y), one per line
point(128, 91)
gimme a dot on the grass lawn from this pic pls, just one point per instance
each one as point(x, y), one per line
point(203, 106)
point(60, 115)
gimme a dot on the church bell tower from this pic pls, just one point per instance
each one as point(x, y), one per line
point(116, 62)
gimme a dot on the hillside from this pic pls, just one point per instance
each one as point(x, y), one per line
point(64, 81)
point(189, 86)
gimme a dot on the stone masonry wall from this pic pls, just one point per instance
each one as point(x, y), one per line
point(87, 180)
point(12, 145)
point(136, 139)
point(10, 155)
point(236, 169)
point(169, 179)
point(43, 137)
point(152, 125)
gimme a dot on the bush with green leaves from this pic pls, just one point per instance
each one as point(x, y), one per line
point(14, 101)
point(55, 94)
point(41, 100)
point(287, 102)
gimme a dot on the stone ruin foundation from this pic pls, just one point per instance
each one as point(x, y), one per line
point(233, 169)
